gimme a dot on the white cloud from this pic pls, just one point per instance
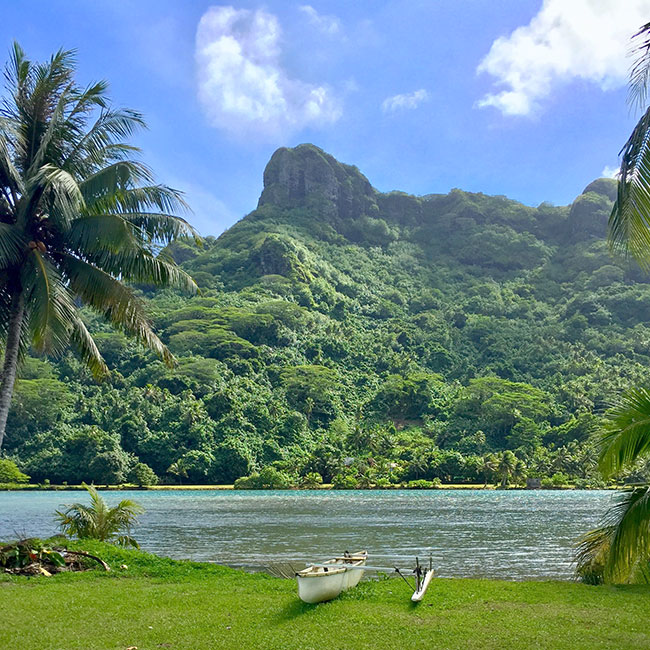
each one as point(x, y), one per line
point(565, 40)
point(610, 172)
point(403, 102)
point(241, 83)
point(327, 24)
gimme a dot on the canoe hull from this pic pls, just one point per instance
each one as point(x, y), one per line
point(322, 588)
point(318, 584)
point(419, 594)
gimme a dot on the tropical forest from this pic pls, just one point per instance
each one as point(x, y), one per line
point(346, 336)
point(325, 326)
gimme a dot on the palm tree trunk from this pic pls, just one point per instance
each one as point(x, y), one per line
point(11, 360)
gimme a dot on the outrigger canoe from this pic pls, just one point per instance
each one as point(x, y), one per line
point(318, 583)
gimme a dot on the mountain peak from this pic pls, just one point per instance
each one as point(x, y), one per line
point(308, 176)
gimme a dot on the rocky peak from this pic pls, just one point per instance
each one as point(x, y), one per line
point(306, 176)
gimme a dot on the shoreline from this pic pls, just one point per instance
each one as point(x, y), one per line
point(35, 487)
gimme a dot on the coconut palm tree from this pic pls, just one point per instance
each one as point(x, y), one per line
point(488, 467)
point(506, 467)
point(98, 521)
point(619, 550)
point(79, 217)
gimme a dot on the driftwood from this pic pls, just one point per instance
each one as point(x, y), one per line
point(92, 557)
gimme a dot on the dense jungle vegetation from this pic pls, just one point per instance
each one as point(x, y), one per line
point(349, 336)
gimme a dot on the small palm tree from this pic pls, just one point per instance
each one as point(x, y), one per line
point(98, 521)
point(79, 217)
point(506, 467)
point(488, 467)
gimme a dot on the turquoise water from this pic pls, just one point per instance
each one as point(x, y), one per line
point(499, 534)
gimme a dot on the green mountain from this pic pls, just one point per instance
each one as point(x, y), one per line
point(366, 337)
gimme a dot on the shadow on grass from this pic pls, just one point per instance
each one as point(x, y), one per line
point(295, 609)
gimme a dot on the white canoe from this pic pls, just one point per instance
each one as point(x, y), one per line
point(316, 584)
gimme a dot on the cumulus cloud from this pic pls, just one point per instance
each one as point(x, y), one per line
point(327, 24)
point(565, 40)
point(242, 85)
point(408, 101)
point(610, 172)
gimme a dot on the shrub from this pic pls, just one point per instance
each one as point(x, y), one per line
point(268, 479)
point(311, 480)
point(246, 483)
point(345, 482)
point(9, 472)
point(420, 484)
point(559, 479)
point(142, 474)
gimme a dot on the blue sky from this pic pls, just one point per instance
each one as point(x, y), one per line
point(516, 97)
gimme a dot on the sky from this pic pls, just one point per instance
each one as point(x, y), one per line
point(522, 98)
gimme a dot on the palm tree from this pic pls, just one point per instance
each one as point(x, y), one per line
point(98, 521)
point(506, 467)
point(488, 467)
point(79, 216)
point(619, 550)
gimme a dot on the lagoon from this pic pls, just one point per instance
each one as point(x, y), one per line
point(511, 534)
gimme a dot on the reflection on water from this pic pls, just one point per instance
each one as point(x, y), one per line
point(504, 534)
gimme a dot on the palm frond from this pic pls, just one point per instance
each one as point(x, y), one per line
point(591, 554)
point(141, 266)
point(9, 175)
point(640, 71)
point(119, 176)
point(160, 227)
point(629, 222)
point(626, 433)
point(100, 142)
point(102, 232)
point(50, 308)
point(115, 301)
point(87, 349)
point(12, 245)
point(150, 198)
point(629, 552)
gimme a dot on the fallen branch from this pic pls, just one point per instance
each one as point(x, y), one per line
point(92, 557)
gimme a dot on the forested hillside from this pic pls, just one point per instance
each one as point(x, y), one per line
point(363, 338)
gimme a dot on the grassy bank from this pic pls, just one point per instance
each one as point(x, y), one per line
point(160, 603)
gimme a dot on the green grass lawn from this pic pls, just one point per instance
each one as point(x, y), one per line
point(159, 603)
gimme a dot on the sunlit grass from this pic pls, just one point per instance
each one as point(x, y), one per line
point(161, 603)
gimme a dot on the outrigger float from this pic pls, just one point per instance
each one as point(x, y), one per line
point(321, 582)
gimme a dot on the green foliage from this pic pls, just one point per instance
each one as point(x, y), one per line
point(98, 521)
point(414, 338)
point(142, 474)
point(268, 478)
point(9, 472)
